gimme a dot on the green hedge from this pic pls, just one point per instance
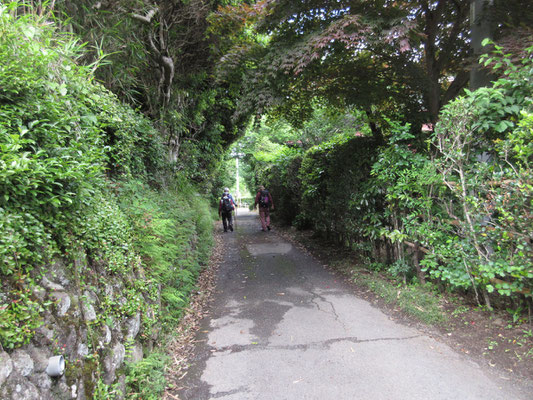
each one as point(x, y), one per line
point(59, 133)
point(281, 179)
point(334, 180)
point(465, 199)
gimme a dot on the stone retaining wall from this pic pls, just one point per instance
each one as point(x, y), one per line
point(93, 351)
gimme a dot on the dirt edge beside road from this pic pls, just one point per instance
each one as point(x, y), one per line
point(182, 345)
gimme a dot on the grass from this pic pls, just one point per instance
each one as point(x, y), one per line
point(419, 301)
point(146, 379)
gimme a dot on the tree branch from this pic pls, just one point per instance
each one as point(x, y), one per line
point(447, 48)
point(147, 19)
point(153, 46)
point(457, 85)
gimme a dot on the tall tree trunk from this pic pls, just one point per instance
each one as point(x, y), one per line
point(431, 64)
point(416, 262)
point(481, 29)
point(376, 131)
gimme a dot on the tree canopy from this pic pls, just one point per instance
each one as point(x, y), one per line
point(402, 60)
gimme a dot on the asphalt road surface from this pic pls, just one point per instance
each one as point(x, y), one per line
point(283, 327)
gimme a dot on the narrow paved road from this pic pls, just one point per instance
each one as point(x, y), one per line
point(282, 327)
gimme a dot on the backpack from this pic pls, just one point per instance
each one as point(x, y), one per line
point(264, 199)
point(226, 204)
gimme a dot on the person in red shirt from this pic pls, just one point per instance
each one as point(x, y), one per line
point(263, 199)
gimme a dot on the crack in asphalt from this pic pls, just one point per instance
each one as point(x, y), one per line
point(333, 310)
point(305, 346)
point(242, 389)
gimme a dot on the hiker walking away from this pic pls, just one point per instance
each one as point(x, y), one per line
point(225, 208)
point(263, 198)
point(235, 205)
point(226, 191)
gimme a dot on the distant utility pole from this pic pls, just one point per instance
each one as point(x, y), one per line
point(238, 194)
point(481, 28)
point(237, 154)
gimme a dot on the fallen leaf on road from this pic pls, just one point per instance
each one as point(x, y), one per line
point(281, 294)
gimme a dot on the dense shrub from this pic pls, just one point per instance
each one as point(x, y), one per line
point(173, 242)
point(282, 181)
point(334, 176)
point(463, 202)
point(484, 154)
point(59, 133)
point(75, 169)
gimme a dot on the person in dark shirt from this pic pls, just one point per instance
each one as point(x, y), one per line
point(226, 191)
point(225, 209)
point(263, 199)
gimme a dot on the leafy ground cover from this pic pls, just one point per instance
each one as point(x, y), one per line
point(175, 243)
point(502, 339)
point(182, 344)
